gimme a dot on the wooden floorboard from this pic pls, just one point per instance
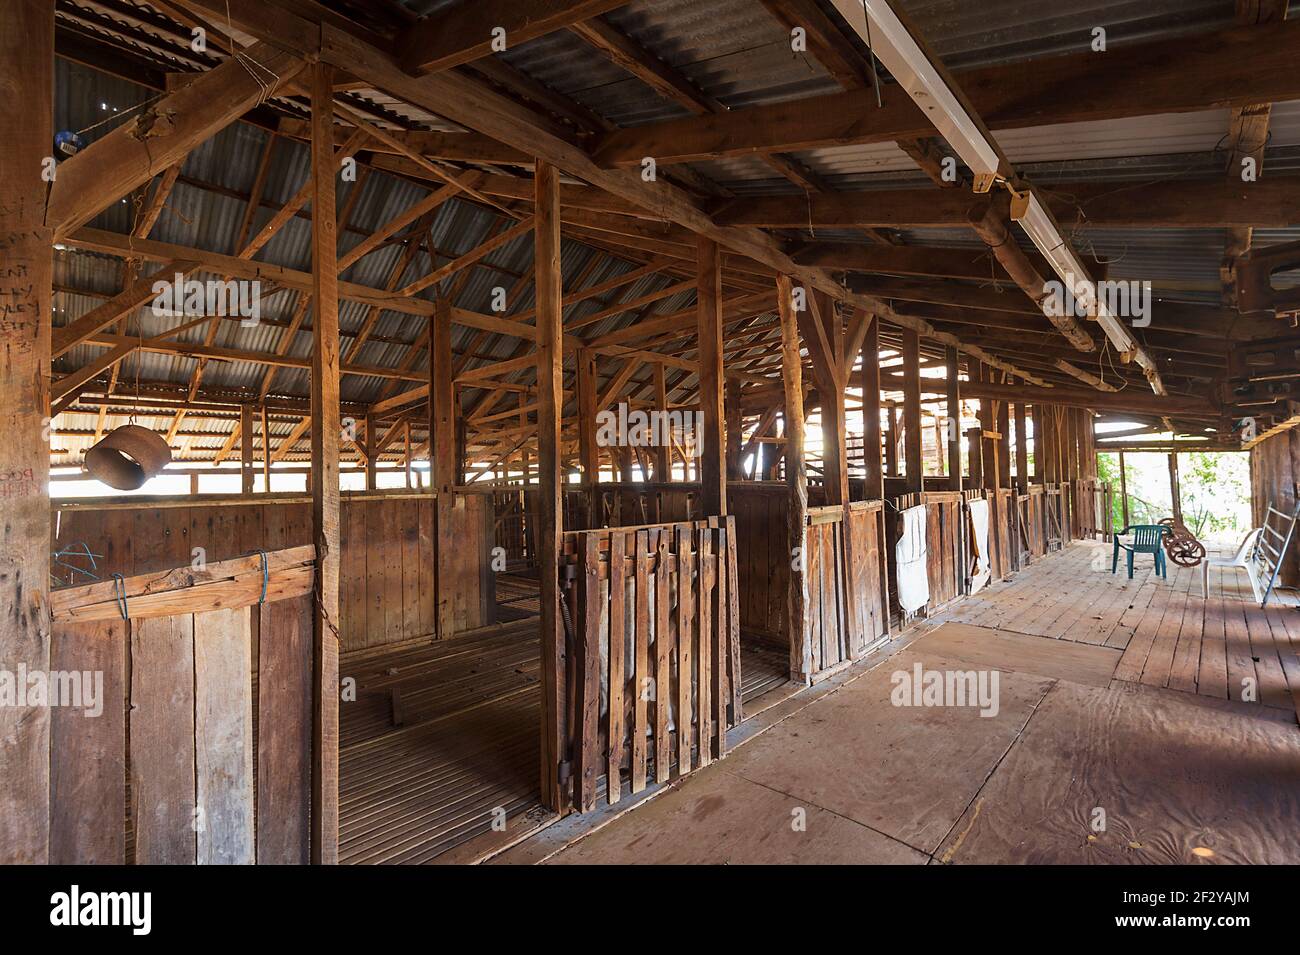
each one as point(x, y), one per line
point(1172, 636)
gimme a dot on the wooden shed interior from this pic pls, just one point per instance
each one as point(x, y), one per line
point(548, 387)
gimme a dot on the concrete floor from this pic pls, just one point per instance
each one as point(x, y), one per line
point(1074, 767)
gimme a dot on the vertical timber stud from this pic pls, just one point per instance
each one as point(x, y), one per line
point(588, 450)
point(26, 85)
point(550, 356)
point(953, 429)
point(1022, 448)
point(797, 479)
point(713, 455)
point(734, 469)
point(662, 452)
point(912, 409)
point(871, 449)
point(442, 446)
point(246, 449)
point(325, 470)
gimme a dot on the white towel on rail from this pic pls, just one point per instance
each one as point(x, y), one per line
point(979, 520)
point(910, 553)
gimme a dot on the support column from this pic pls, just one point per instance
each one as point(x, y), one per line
point(246, 437)
point(1123, 489)
point(443, 464)
point(372, 451)
point(912, 410)
point(325, 470)
point(1022, 449)
point(1175, 488)
point(588, 451)
point(713, 462)
point(663, 450)
point(26, 68)
point(871, 450)
point(550, 514)
point(797, 481)
point(953, 430)
point(266, 452)
point(734, 465)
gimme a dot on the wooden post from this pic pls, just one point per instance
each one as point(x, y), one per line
point(713, 456)
point(1004, 444)
point(1022, 448)
point(912, 410)
point(442, 455)
point(27, 74)
point(1123, 489)
point(550, 515)
point(871, 450)
point(663, 449)
point(735, 470)
point(1040, 446)
point(588, 450)
point(797, 480)
point(406, 457)
point(891, 439)
point(1175, 490)
point(325, 470)
point(372, 451)
point(246, 449)
point(266, 452)
point(952, 432)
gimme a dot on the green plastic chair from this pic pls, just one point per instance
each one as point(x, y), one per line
point(1147, 539)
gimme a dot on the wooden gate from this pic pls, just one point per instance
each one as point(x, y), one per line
point(201, 751)
point(845, 611)
point(653, 647)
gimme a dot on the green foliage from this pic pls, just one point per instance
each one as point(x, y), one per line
point(1215, 490)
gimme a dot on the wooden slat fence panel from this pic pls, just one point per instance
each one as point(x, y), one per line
point(655, 651)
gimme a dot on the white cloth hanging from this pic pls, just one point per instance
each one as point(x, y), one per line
point(979, 522)
point(910, 553)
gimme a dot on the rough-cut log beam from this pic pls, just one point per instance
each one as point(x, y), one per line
point(1224, 69)
point(993, 226)
point(901, 260)
point(161, 135)
point(465, 33)
point(1272, 202)
point(1128, 400)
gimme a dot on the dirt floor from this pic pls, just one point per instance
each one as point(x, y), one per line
point(1075, 766)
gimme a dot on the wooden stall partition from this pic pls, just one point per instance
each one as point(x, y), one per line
point(846, 609)
point(1003, 510)
point(182, 721)
point(388, 552)
point(944, 529)
point(654, 649)
point(763, 558)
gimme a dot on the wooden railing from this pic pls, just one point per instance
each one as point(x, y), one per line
point(201, 751)
point(654, 652)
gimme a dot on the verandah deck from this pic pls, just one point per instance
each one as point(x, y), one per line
point(1171, 636)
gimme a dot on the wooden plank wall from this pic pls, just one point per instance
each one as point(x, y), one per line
point(202, 754)
point(1275, 477)
point(388, 576)
point(656, 639)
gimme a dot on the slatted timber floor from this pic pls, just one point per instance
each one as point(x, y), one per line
point(467, 744)
point(1170, 635)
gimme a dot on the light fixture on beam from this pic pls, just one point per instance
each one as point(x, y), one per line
point(894, 44)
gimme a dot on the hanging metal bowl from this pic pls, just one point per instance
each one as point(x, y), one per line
point(127, 457)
